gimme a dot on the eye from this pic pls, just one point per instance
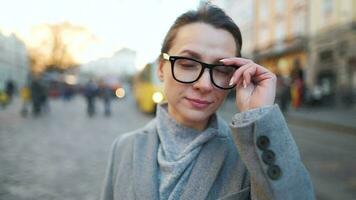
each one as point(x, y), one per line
point(225, 69)
point(186, 63)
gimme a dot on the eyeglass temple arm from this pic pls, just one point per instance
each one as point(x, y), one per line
point(165, 56)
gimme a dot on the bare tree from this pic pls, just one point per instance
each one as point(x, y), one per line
point(56, 45)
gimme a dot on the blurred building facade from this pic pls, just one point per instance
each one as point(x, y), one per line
point(319, 35)
point(14, 62)
point(332, 49)
point(242, 12)
point(121, 64)
point(274, 31)
point(280, 34)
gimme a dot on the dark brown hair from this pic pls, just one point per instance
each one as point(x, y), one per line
point(208, 14)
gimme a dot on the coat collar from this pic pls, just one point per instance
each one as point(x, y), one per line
point(145, 164)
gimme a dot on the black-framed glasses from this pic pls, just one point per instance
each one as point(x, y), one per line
point(189, 70)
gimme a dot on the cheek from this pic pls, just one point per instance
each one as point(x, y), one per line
point(220, 96)
point(172, 88)
point(167, 80)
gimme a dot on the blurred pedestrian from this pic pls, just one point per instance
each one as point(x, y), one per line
point(25, 95)
point(45, 108)
point(90, 93)
point(297, 86)
point(67, 92)
point(36, 96)
point(188, 151)
point(3, 99)
point(106, 95)
point(10, 89)
point(283, 92)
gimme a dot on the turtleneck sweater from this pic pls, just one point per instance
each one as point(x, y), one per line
point(178, 149)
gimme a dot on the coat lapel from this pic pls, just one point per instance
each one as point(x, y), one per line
point(206, 169)
point(145, 164)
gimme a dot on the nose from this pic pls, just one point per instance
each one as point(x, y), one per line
point(204, 83)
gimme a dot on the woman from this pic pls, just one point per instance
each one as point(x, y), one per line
point(187, 151)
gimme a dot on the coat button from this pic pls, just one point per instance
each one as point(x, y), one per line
point(263, 142)
point(268, 157)
point(274, 172)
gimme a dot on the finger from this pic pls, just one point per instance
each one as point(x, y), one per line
point(256, 73)
point(248, 73)
point(264, 76)
point(262, 73)
point(261, 70)
point(239, 82)
point(241, 62)
point(238, 74)
point(236, 61)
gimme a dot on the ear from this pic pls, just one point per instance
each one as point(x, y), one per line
point(160, 70)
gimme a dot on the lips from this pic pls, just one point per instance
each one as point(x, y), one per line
point(198, 103)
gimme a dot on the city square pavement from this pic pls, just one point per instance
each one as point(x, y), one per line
point(63, 154)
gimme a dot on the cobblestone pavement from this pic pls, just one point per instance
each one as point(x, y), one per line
point(61, 155)
point(330, 158)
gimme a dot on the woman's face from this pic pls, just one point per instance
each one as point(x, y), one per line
point(192, 104)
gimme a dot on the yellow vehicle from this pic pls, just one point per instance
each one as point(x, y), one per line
point(148, 89)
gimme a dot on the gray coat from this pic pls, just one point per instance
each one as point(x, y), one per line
point(258, 160)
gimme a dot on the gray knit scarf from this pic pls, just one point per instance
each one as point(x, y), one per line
point(177, 152)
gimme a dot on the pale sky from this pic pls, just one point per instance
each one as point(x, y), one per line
point(137, 24)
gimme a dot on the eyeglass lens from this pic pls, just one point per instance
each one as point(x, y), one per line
point(186, 70)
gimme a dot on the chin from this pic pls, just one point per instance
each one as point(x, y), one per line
point(196, 116)
point(188, 114)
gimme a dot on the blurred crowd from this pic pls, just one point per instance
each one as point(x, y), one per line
point(291, 89)
point(35, 95)
point(292, 93)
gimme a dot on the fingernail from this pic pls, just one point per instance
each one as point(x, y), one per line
point(244, 84)
point(231, 81)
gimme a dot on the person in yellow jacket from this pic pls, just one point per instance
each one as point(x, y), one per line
point(25, 94)
point(3, 99)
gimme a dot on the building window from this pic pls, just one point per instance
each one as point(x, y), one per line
point(326, 56)
point(326, 12)
point(263, 8)
point(280, 6)
point(342, 47)
point(280, 31)
point(298, 3)
point(264, 35)
point(327, 7)
point(299, 23)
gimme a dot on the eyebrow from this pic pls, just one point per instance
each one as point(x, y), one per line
point(197, 56)
point(192, 54)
